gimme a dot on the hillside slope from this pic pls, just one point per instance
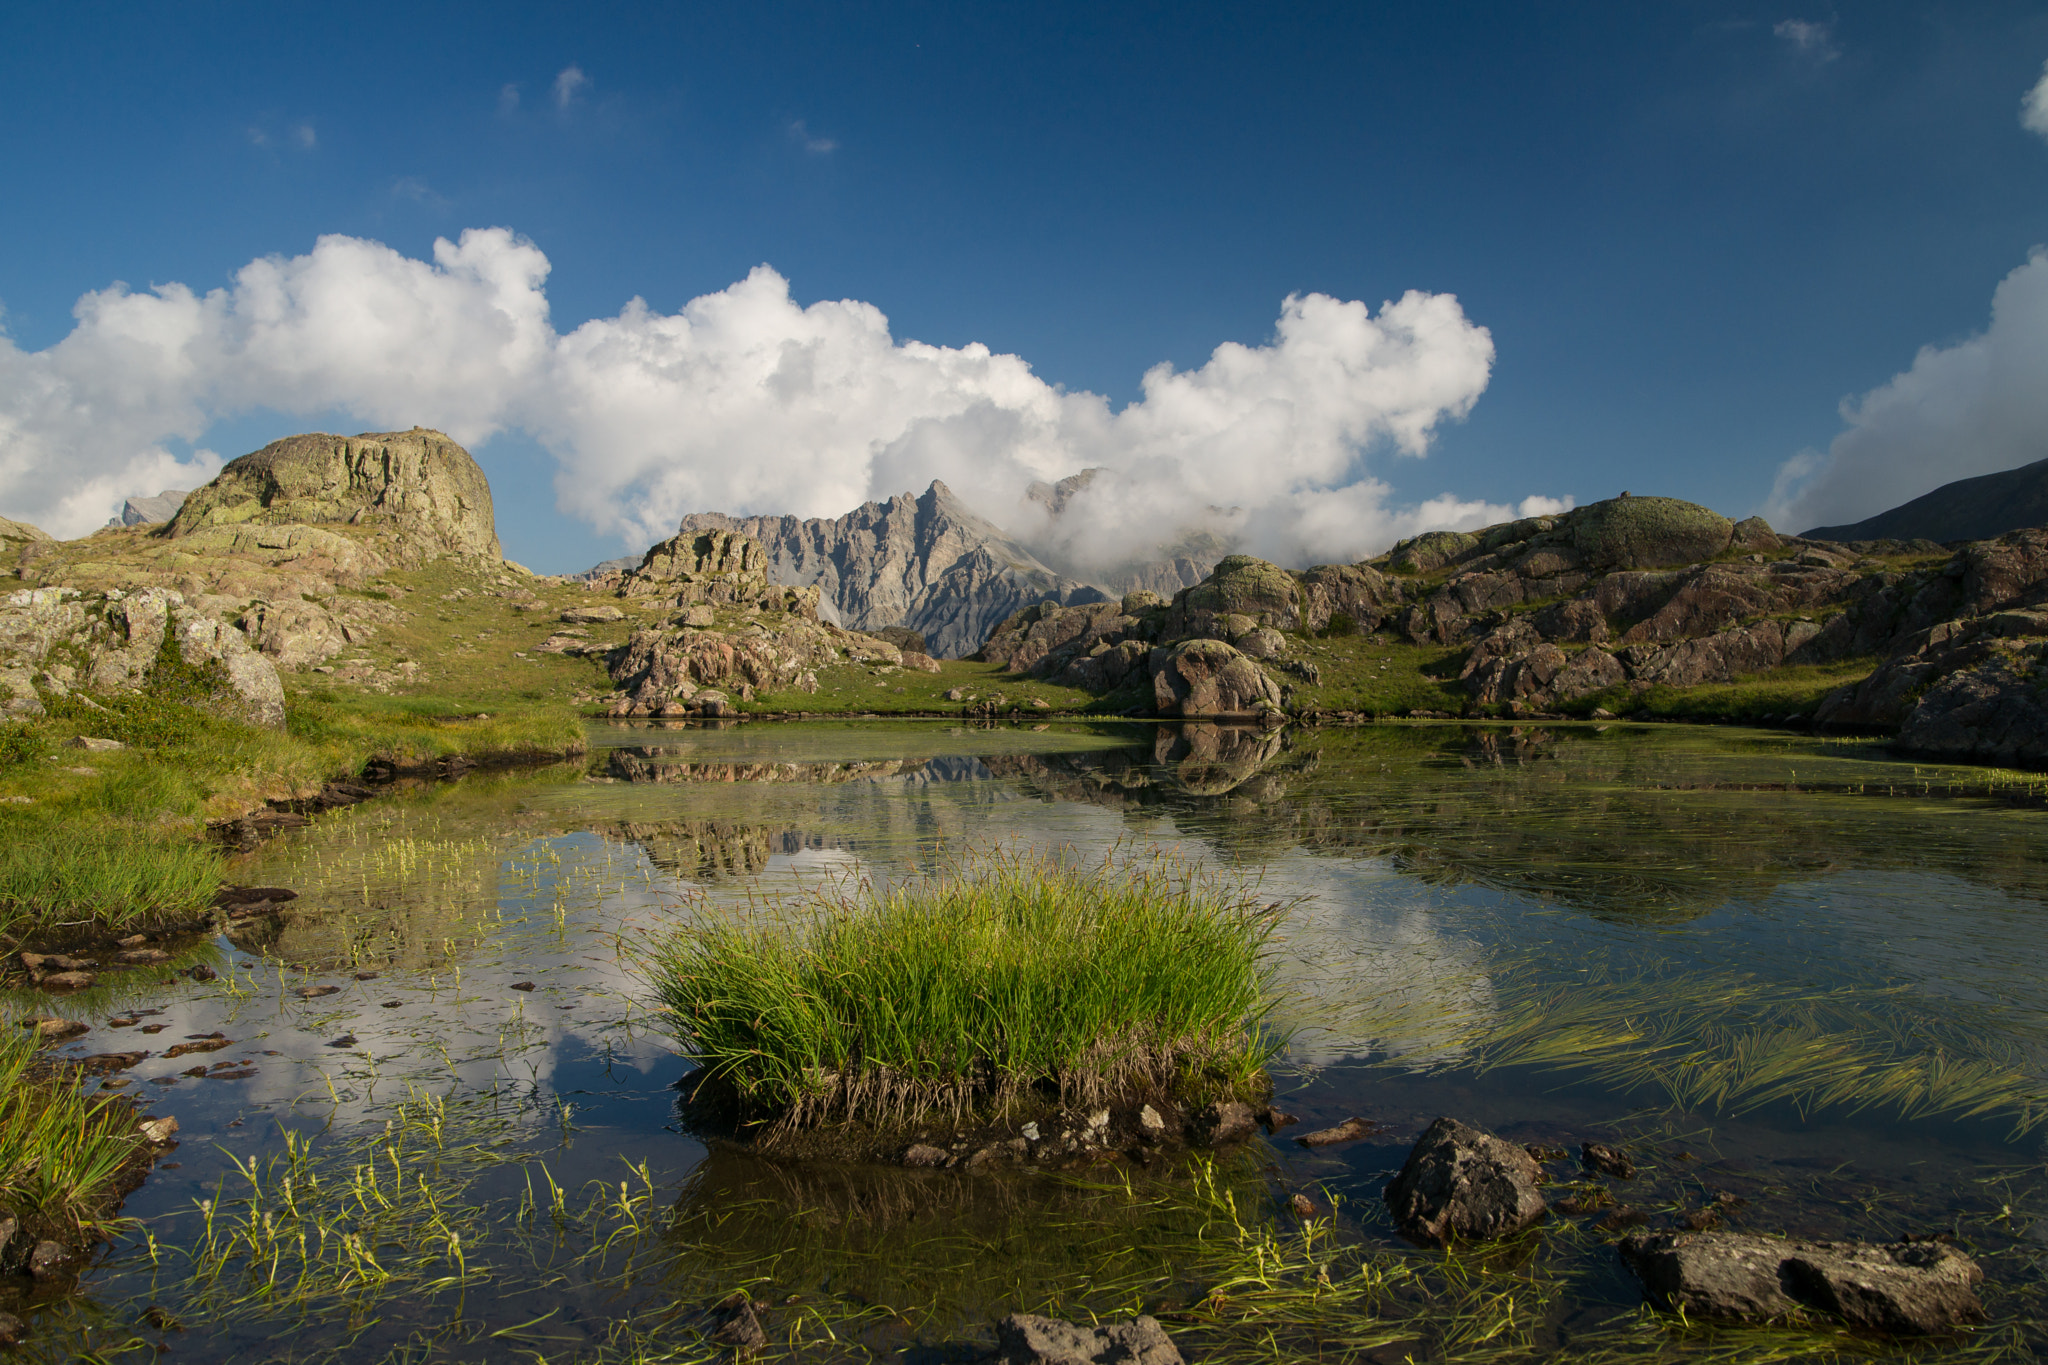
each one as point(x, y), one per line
point(1968, 509)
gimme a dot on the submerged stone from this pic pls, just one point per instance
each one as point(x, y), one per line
point(1462, 1183)
point(1902, 1287)
point(1028, 1339)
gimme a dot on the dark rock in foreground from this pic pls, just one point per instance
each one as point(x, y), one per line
point(1027, 1339)
point(1901, 1287)
point(1462, 1183)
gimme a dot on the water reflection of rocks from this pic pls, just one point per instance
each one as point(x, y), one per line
point(656, 763)
point(712, 850)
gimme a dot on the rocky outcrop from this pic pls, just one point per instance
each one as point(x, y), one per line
point(417, 483)
point(1462, 1183)
point(715, 569)
point(58, 640)
point(18, 533)
point(1904, 1288)
point(734, 631)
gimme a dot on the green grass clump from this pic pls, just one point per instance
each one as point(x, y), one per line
point(976, 986)
point(62, 1152)
point(56, 876)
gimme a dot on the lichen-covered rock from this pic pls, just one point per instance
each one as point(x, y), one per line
point(1462, 1183)
point(1648, 533)
point(418, 482)
point(58, 639)
point(296, 635)
point(1432, 550)
point(1904, 1288)
point(1755, 535)
point(1243, 586)
point(1358, 593)
point(1209, 678)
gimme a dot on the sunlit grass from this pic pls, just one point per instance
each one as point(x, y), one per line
point(970, 988)
point(62, 1151)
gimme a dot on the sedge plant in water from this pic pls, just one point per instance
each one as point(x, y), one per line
point(1009, 975)
point(64, 1153)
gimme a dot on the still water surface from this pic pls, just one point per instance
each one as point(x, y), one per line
point(1806, 984)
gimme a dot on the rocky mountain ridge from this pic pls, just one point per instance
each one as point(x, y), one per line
point(929, 564)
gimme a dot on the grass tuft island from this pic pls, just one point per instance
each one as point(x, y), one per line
point(1015, 987)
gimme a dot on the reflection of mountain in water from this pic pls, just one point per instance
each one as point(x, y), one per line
point(657, 763)
point(711, 850)
point(1621, 823)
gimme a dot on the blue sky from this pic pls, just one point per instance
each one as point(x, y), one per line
point(1691, 231)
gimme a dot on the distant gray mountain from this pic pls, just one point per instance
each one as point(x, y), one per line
point(609, 567)
point(926, 562)
point(150, 511)
point(1968, 509)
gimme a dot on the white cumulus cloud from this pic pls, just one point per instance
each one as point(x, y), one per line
point(746, 401)
point(2034, 107)
point(1976, 407)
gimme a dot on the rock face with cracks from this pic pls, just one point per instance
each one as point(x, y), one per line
point(57, 639)
point(1904, 1288)
point(1463, 1184)
point(417, 482)
point(1028, 1339)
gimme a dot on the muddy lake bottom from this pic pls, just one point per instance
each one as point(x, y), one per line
point(1803, 983)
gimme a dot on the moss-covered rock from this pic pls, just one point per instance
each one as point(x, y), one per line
point(1240, 586)
point(419, 482)
point(1431, 550)
point(1647, 533)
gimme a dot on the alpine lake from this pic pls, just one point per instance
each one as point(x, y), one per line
point(1801, 982)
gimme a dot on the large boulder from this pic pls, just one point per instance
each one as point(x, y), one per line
point(1209, 678)
point(1647, 533)
point(418, 483)
point(1902, 1288)
point(1462, 1183)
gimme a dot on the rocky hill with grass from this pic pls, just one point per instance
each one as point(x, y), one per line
point(931, 565)
point(265, 568)
point(1968, 509)
point(1602, 610)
